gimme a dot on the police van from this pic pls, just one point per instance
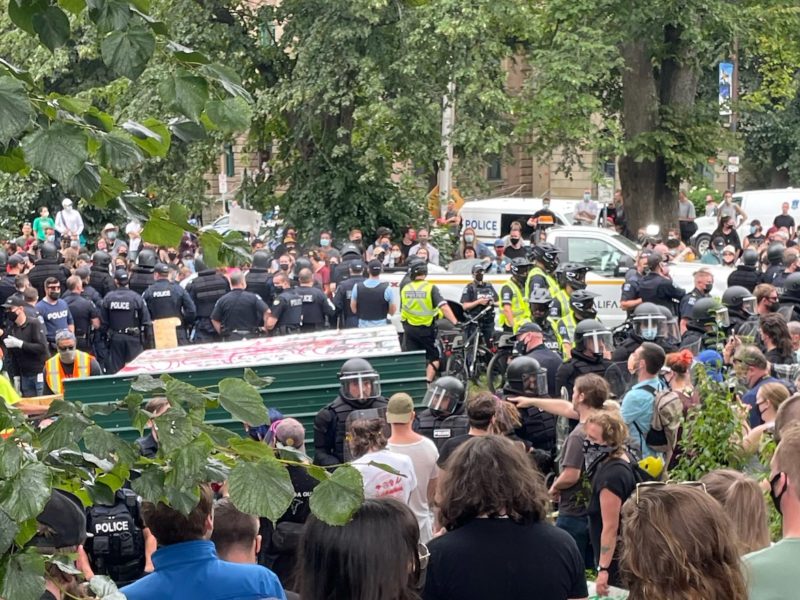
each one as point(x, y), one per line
point(492, 218)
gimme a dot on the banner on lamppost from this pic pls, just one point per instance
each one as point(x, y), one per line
point(725, 88)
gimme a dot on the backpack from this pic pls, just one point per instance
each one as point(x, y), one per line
point(116, 547)
point(666, 421)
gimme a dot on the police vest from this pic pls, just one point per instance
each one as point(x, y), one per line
point(54, 370)
point(163, 301)
point(116, 547)
point(520, 309)
point(416, 304)
point(427, 423)
point(207, 288)
point(568, 323)
point(141, 279)
point(42, 270)
point(539, 428)
point(259, 281)
point(100, 280)
point(344, 414)
point(552, 284)
point(371, 302)
point(452, 426)
point(561, 300)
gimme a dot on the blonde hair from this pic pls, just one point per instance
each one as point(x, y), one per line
point(743, 501)
point(613, 428)
point(677, 544)
point(775, 393)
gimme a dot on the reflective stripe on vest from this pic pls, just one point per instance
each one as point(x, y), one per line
point(54, 373)
point(520, 309)
point(416, 304)
point(552, 284)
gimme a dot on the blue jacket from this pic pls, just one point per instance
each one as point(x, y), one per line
point(192, 570)
point(637, 410)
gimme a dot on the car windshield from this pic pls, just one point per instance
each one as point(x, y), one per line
point(463, 266)
point(634, 248)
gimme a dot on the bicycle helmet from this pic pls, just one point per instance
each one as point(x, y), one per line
point(571, 274)
point(582, 304)
point(547, 254)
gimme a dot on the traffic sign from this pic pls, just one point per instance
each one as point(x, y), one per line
point(733, 168)
point(733, 160)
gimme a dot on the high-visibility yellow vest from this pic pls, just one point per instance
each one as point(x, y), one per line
point(416, 304)
point(520, 308)
point(563, 302)
point(54, 371)
point(552, 284)
point(568, 320)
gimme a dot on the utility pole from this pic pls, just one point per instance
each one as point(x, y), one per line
point(446, 172)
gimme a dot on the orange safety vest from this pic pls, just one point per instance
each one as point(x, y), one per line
point(54, 372)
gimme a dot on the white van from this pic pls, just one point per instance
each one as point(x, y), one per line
point(763, 205)
point(492, 218)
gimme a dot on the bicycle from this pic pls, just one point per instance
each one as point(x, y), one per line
point(466, 357)
point(496, 370)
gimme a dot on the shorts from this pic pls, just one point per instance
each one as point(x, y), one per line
point(421, 338)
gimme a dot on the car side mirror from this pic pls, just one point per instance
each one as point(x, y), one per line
point(620, 270)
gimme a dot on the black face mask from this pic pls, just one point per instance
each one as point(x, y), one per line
point(514, 241)
point(284, 267)
point(479, 277)
point(776, 498)
point(54, 295)
point(707, 289)
point(772, 307)
point(172, 255)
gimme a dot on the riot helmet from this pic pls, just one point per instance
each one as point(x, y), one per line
point(350, 252)
point(300, 264)
point(540, 302)
point(592, 337)
point(524, 375)
point(147, 258)
point(260, 260)
point(740, 299)
point(791, 286)
point(582, 304)
point(48, 250)
point(360, 383)
point(547, 254)
point(749, 257)
point(775, 253)
point(572, 275)
point(648, 321)
point(101, 259)
point(707, 311)
point(445, 396)
point(670, 329)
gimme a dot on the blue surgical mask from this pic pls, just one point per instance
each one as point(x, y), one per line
point(752, 229)
point(650, 333)
point(587, 196)
point(324, 242)
point(469, 238)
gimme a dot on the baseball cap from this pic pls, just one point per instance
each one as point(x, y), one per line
point(382, 231)
point(400, 408)
point(375, 267)
point(357, 266)
point(499, 243)
point(121, 275)
point(751, 356)
point(110, 226)
point(718, 243)
point(529, 328)
point(729, 249)
point(161, 269)
point(63, 515)
point(14, 300)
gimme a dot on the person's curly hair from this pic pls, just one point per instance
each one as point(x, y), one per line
point(365, 435)
point(490, 476)
point(678, 544)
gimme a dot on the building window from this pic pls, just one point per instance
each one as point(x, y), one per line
point(230, 163)
point(494, 171)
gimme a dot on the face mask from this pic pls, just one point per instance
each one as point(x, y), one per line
point(707, 289)
point(546, 205)
point(324, 242)
point(112, 235)
point(650, 333)
point(423, 242)
point(514, 240)
point(284, 267)
point(772, 307)
point(469, 238)
point(51, 238)
point(396, 254)
point(53, 295)
point(478, 277)
point(752, 230)
point(67, 355)
point(172, 255)
point(587, 196)
point(356, 241)
point(594, 449)
point(386, 246)
point(776, 498)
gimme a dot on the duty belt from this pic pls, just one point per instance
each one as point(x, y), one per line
point(243, 332)
point(129, 331)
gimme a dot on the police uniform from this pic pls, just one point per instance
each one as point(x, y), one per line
point(56, 317)
point(341, 301)
point(511, 293)
point(371, 302)
point(92, 295)
point(477, 291)
point(330, 427)
point(419, 306)
point(746, 276)
point(687, 303)
point(7, 289)
point(101, 280)
point(83, 311)
point(660, 290)
point(165, 300)
point(126, 319)
point(141, 278)
point(772, 273)
point(259, 281)
point(439, 429)
point(43, 270)
point(630, 289)
point(316, 309)
point(204, 290)
point(287, 308)
point(241, 315)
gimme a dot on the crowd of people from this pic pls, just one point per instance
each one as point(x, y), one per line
point(563, 470)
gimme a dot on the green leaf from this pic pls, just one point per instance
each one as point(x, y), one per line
point(16, 111)
point(127, 52)
point(317, 472)
point(185, 93)
point(216, 470)
point(100, 408)
point(187, 55)
point(23, 573)
point(182, 499)
point(105, 588)
point(76, 7)
point(109, 15)
point(52, 26)
point(250, 449)
point(152, 136)
point(256, 380)
point(24, 495)
point(8, 529)
point(100, 493)
point(142, 5)
point(218, 435)
point(263, 488)
point(10, 458)
point(145, 383)
point(230, 115)
point(99, 119)
point(65, 431)
point(107, 445)
point(243, 401)
point(110, 188)
point(59, 151)
point(150, 484)
point(179, 392)
point(187, 131)
point(174, 429)
point(21, 13)
point(16, 72)
point(87, 182)
point(118, 152)
point(336, 499)
point(189, 462)
point(13, 161)
point(211, 242)
point(27, 529)
point(228, 78)
point(162, 232)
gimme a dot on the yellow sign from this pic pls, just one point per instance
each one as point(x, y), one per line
point(434, 208)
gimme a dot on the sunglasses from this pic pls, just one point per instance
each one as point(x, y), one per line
point(65, 348)
point(653, 484)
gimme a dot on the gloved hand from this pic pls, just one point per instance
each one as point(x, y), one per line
point(12, 342)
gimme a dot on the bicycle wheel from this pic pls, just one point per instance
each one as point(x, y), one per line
point(481, 366)
point(456, 367)
point(496, 371)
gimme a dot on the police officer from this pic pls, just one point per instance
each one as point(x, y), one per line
point(359, 397)
point(592, 342)
point(85, 313)
point(350, 253)
point(166, 300)
point(545, 261)
point(239, 315)
point(789, 305)
point(540, 302)
point(657, 287)
point(630, 298)
point(746, 274)
point(444, 417)
point(420, 303)
point(703, 284)
point(47, 266)
point(7, 287)
point(581, 307)
point(647, 322)
point(775, 262)
point(89, 292)
point(791, 261)
point(316, 309)
point(513, 299)
point(99, 277)
point(373, 299)
point(142, 274)
point(570, 278)
point(704, 330)
point(476, 297)
point(126, 320)
point(531, 343)
point(741, 305)
point(344, 293)
point(285, 316)
point(204, 290)
point(259, 279)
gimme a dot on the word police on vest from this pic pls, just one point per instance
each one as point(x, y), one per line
point(120, 306)
point(110, 526)
point(162, 294)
